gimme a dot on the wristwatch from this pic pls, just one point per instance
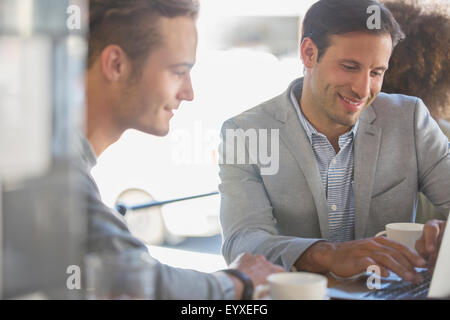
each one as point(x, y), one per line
point(247, 293)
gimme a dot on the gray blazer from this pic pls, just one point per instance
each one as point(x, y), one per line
point(425, 209)
point(399, 150)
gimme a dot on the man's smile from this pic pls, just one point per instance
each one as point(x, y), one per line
point(351, 104)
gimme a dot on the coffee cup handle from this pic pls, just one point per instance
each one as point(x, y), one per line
point(261, 292)
point(382, 233)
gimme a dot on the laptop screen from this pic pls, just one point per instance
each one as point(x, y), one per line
point(440, 283)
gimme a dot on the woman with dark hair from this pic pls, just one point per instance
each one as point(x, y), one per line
point(420, 66)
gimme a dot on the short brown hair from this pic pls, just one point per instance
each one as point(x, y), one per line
point(131, 24)
point(420, 65)
point(333, 17)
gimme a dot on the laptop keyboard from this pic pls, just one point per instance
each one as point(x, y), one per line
point(404, 290)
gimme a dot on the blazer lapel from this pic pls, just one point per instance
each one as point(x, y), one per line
point(296, 140)
point(298, 144)
point(366, 149)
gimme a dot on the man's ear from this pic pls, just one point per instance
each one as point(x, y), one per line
point(308, 53)
point(115, 63)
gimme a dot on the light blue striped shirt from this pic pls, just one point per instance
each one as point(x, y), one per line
point(336, 171)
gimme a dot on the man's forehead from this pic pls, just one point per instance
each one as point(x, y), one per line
point(355, 36)
point(360, 46)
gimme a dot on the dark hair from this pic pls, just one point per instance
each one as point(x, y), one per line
point(131, 24)
point(420, 65)
point(332, 17)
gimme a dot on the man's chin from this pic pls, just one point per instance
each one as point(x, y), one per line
point(159, 132)
point(348, 121)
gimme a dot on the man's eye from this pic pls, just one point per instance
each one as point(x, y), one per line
point(377, 73)
point(180, 73)
point(348, 67)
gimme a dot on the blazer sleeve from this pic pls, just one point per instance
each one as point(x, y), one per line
point(246, 214)
point(433, 158)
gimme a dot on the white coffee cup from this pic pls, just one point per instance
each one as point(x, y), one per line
point(294, 286)
point(405, 233)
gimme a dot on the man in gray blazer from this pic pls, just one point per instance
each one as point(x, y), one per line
point(140, 56)
point(348, 159)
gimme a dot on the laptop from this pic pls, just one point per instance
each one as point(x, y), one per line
point(433, 286)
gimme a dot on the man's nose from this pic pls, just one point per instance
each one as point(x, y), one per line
point(361, 85)
point(186, 91)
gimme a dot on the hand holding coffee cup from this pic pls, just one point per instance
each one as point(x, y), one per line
point(293, 286)
point(407, 234)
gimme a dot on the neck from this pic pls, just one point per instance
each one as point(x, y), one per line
point(100, 129)
point(320, 121)
point(100, 136)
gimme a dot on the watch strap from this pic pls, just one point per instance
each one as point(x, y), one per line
point(247, 293)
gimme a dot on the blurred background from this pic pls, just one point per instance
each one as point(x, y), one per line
point(42, 223)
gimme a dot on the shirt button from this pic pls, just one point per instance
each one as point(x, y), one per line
point(334, 161)
point(334, 207)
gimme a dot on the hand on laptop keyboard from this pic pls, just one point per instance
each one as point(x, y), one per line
point(346, 259)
